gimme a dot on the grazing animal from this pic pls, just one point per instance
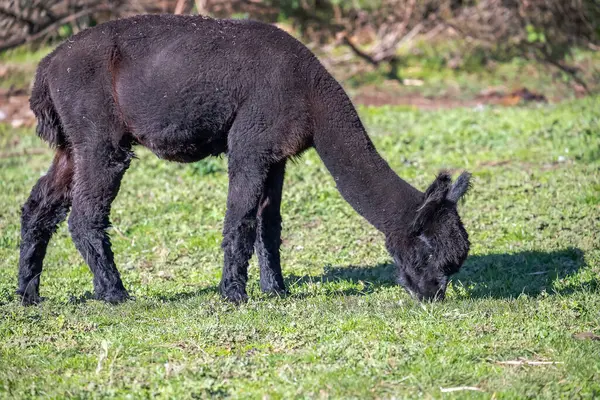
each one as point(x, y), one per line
point(188, 87)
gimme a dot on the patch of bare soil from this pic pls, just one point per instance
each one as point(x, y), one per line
point(14, 108)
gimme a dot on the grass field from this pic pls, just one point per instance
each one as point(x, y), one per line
point(346, 331)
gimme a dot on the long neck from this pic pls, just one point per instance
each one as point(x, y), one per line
point(362, 176)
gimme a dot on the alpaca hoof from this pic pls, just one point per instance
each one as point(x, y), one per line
point(275, 291)
point(114, 296)
point(29, 298)
point(272, 284)
point(234, 293)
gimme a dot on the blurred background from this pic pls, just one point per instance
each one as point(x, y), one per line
point(427, 54)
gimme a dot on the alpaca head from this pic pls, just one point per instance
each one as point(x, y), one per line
point(436, 243)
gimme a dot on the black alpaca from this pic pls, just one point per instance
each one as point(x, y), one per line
point(189, 87)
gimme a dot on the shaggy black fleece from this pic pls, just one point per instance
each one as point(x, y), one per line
point(188, 87)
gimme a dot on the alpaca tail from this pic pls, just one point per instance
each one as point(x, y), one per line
point(49, 126)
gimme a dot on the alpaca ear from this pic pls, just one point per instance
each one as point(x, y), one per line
point(439, 188)
point(460, 187)
point(435, 194)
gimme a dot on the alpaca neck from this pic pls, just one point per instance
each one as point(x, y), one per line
point(362, 176)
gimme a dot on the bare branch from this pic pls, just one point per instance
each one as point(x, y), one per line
point(52, 27)
point(365, 56)
point(30, 24)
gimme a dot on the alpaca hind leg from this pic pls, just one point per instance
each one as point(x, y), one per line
point(99, 169)
point(247, 177)
point(46, 207)
point(268, 236)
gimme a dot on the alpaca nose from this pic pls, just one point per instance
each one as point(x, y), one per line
point(437, 296)
point(434, 292)
point(432, 289)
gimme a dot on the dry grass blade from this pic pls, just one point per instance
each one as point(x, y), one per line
point(586, 336)
point(118, 232)
point(26, 152)
point(460, 388)
point(526, 362)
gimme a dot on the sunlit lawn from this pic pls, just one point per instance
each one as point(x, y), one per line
point(346, 330)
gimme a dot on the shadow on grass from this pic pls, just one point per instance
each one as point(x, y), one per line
point(491, 275)
point(163, 298)
point(181, 296)
point(527, 272)
point(482, 276)
point(362, 279)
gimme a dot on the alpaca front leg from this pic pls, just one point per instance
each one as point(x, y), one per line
point(268, 237)
point(246, 183)
point(98, 173)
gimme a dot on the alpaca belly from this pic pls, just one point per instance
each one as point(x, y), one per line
point(192, 152)
point(183, 146)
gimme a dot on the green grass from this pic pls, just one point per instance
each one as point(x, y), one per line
point(346, 331)
point(17, 66)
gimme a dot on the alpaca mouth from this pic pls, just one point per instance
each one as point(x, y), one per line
point(440, 295)
point(435, 292)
